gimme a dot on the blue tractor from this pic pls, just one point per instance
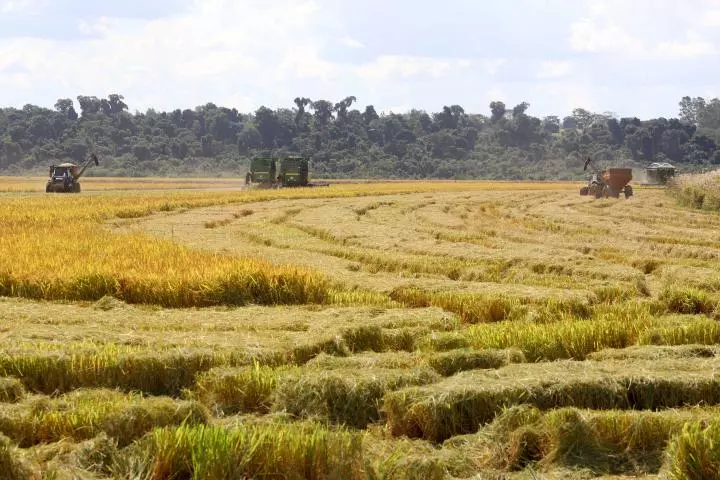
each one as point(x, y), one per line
point(64, 178)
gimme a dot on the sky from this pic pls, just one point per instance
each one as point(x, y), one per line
point(631, 58)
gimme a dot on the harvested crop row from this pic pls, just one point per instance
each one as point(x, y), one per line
point(605, 442)
point(164, 372)
point(264, 451)
point(462, 403)
point(619, 326)
point(340, 394)
point(83, 414)
point(486, 308)
point(345, 390)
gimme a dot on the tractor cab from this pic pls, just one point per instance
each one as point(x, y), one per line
point(58, 172)
point(65, 177)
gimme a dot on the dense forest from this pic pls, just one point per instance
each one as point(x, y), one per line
point(342, 141)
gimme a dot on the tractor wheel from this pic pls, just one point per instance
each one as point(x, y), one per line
point(48, 189)
point(584, 191)
point(628, 191)
point(76, 188)
point(597, 190)
point(606, 191)
point(248, 177)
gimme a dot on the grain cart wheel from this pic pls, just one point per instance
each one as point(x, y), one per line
point(584, 191)
point(628, 191)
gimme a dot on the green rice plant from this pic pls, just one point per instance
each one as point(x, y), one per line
point(83, 414)
point(11, 390)
point(260, 452)
point(377, 339)
point(353, 298)
point(471, 308)
point(550, 310)
point(561, 340)
point(702, 331)
point(461, 403)
point(618, 293)
point(345, 396)
point(239, 390)
point(694, 452)
point(443, 341)
point(161, 373)
point(453, 361)
point(394, 360)
point(688, 300)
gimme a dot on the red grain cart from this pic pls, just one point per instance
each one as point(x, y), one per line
point(610, 182)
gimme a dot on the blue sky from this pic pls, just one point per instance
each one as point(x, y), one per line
point(628, 57)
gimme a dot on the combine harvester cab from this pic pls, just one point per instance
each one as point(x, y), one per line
point(262, 171)
point(295, 172)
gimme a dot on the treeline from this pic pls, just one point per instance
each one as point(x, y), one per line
point(343, 141)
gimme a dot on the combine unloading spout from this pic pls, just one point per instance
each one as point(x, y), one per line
point(92, 158)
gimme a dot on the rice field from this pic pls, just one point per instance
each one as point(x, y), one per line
point(168, 329)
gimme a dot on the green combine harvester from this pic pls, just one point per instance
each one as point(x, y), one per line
point(262, 171)
point(293, 172)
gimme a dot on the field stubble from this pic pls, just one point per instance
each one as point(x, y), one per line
point(490, 320)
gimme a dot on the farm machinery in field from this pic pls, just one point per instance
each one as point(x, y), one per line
point(658, 173)
point(293, 172)
point(65, 177)
point(608, 182)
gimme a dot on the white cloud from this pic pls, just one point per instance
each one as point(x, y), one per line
point(20, 6)
point(570, 95)
point(386, 67)
point(693, 47)
point(97, 28)
point(587, 36)
point(351, 42)
point(711, 18)
point(251, 53)
point(609, 27)
point(491, 66)
point(219, 51)
point(554, 69)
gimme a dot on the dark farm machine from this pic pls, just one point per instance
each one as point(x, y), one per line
point(65, 177)
point(608, 182)
point(292, 172)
